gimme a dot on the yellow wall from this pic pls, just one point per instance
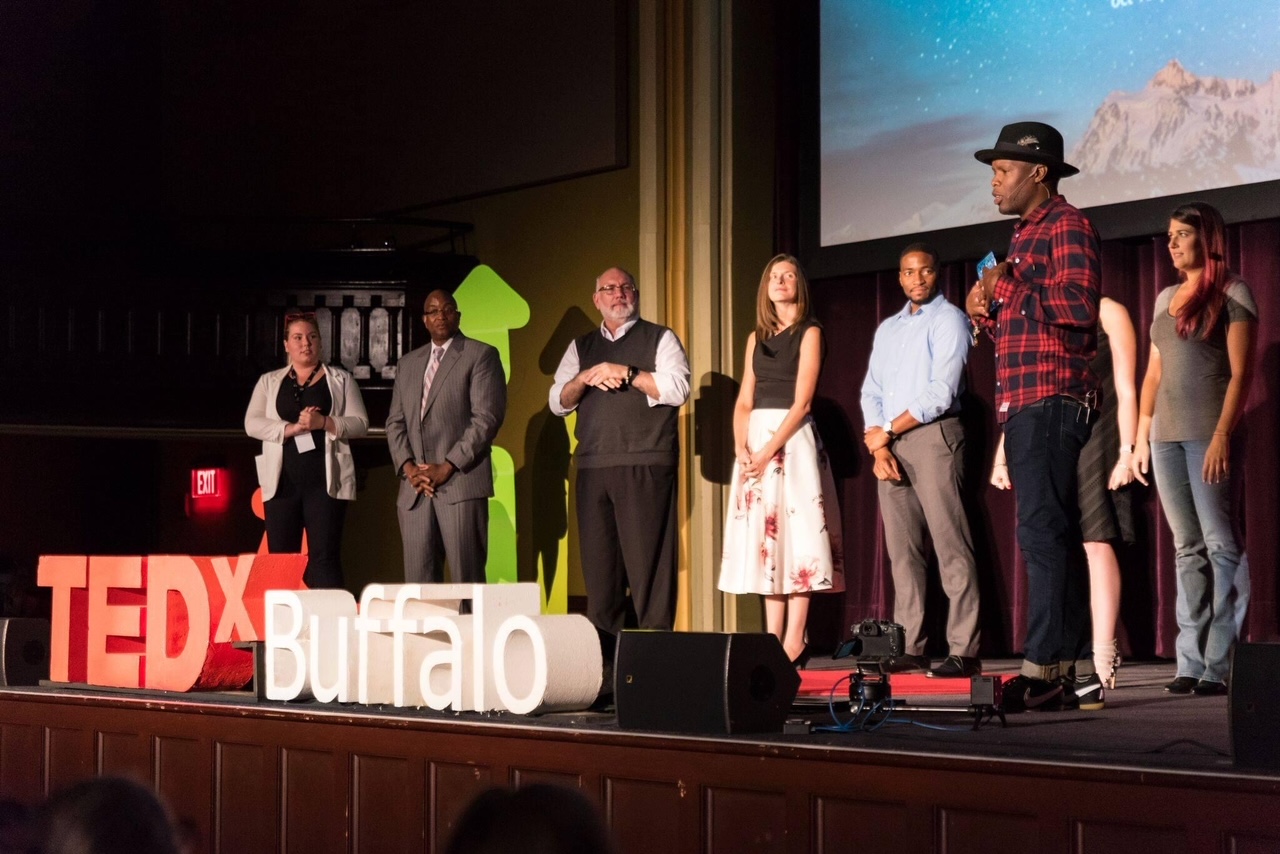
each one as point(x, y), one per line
point(549, 243)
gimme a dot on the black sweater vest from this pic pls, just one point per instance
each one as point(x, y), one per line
point(620, 428)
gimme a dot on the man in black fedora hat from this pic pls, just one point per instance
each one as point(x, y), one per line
point(1040, 306)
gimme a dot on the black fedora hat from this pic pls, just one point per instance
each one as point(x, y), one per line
point(1033, 142)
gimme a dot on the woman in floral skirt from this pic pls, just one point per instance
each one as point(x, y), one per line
point(777, 540)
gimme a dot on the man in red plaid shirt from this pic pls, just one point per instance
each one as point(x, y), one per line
point(1040, 306)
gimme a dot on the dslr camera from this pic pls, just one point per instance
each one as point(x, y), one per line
point(873, 641)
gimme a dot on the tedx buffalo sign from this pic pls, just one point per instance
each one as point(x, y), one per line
point(170, 621)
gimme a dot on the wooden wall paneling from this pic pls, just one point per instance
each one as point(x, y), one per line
point(21, 762)
point(740, 821)
point(1099, 837)
point(125, 754)
point(530, 776)
point(68, 757)
point(247, 801)
point(388, 804)
point(994, 831)
point(801, 818)
point(316, 805)
point(643, 815)
point(453, 785)
point(658, 793)
point(844, 823)
point(184, 779)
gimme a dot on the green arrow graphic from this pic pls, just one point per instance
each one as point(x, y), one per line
point(490, 310)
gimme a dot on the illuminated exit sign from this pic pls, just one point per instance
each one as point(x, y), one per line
point(205, 483)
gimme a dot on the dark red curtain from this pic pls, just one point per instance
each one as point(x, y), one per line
point(1134, 271)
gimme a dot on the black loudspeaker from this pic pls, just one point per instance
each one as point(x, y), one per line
point(702, 682)
point(1255, 705)
point(24, 651)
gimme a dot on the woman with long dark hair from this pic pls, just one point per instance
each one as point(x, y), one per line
point(782, 535)
point(1202, 356)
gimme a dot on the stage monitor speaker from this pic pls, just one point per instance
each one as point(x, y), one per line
point(702, 682)
point(1255, 705)
point(24, 651)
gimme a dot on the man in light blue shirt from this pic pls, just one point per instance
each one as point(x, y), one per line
point(910, 409)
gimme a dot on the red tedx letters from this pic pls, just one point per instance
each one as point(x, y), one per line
point(161, 621)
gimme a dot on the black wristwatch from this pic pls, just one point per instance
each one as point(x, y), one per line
point(632, 370)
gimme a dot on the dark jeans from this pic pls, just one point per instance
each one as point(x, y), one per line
point(1042, 443)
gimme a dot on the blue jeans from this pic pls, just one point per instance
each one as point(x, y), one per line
point(1212, 569)
point(1042, 443)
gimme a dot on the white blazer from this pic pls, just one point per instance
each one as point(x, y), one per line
point(262, 421)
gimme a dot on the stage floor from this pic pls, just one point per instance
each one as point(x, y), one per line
point(1142, 726)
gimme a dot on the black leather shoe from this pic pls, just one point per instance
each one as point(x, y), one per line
point(906, 664)
point(801, 661)
point(1209, 689)
point(1181, 685)
point(957, 667)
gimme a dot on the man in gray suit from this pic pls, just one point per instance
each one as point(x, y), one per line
point(448, 402)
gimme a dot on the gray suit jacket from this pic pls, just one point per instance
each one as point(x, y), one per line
point(467, 404)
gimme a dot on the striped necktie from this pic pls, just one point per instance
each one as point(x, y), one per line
point(437, 353)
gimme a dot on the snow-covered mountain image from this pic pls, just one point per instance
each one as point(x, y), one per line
point(1153, 99)
point(1180, 133)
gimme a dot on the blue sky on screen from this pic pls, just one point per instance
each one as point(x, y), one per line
point(911, 88)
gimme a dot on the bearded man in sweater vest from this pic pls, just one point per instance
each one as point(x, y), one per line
point(626, 380)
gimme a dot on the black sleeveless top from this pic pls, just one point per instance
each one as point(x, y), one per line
point(292, 398)
point(776, 363)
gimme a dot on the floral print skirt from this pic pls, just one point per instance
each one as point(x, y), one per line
point(776, 536)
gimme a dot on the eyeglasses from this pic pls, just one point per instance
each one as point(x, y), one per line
point(299, 315)
point(616, 289)
point(436, 312)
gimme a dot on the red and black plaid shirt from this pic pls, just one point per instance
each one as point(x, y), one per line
point(1045, 322)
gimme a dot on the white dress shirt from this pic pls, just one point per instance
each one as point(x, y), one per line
point(670, 373)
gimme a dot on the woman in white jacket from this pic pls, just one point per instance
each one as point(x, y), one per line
point(304, 414)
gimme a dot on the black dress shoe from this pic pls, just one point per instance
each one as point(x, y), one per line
point(1181, 685)
point(905, 664)
point(957, 667)
point(1204, 688)
point(802, 660)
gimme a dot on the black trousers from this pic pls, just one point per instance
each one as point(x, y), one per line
point(627, 538)
point(294, 508)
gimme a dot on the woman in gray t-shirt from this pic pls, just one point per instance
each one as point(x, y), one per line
point(1202, 356)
